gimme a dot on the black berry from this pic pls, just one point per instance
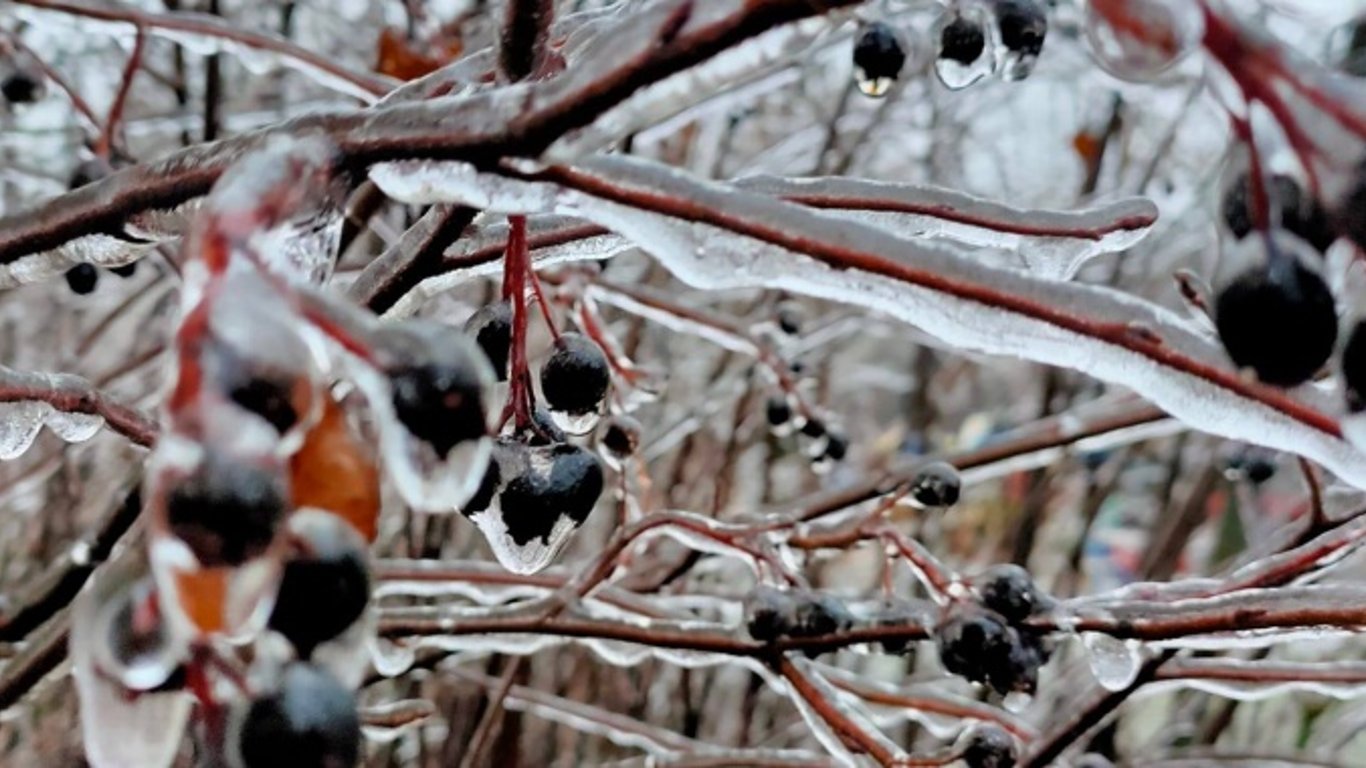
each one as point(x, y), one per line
point(81, 279)
point(1298, 211)
point(326, 584)
point(836, 446)
point(575, 377)
point(936, 484)
point(1279, 320)
point(962, 40)
point(813, 428)
point(818, 614)
point(1353, 61)
point(621, 437)
point(1354, 368)
point(437, 379)
point(989, 746)
point(227, 511)
point(778, 411)
point(310, 722)
point(1016, 667)
point(771, 612)
point(557, 481)
point(488, 486)
point(491, 328)
point(878, 53)
point(20, 87)
point(125, 271)
point(967, 643)
point(1009, 590)
point(266, 393)
point(1023, 25)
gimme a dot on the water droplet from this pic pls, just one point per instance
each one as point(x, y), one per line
point(575, 423)
point(1139, 39)
point(1114, 662)
point(19, 426)
point(74, 427)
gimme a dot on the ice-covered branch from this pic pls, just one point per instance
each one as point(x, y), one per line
point(69, 405)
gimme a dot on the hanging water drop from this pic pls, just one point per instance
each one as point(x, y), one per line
point(19, 426)
point(1114, 662)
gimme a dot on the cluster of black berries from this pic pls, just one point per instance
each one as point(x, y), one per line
point(988, 641)
point(779, 613)
point(83, 278)
point(825, 445)
point(537, 481)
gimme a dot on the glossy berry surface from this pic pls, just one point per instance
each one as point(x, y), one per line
point(1297, 211)
point(227, 512)
point(1023, 25)
point(962, 40)
point(878, 52)
point(310, 722)
point(936, 484)
point(491, 327)
point(575, 377)
point(1354, 368)
point(323, 590)
point(437, 384)
point(20, 87)
point(989, 746)
point(1010, 591)
point(1279, 320)
point(558, 481)
point(82, 278)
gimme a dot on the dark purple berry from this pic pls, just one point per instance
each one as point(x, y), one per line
point(989, 746)
point(81, 279)
point(575, 377)
point(1278, 319)
point(962, 40)
point(266, 393)
point(437, 378)
point(1023, 25)
point(967, 643)
point(771, 612)
point(126, 271)
point(20, 87)
point(325, 586)
point(491, 328)
point(790, 318)
point(1298, 212)
point(778, 411)
point(227, 511)
point(1009, 590)
point(556, 481)
point(621, 437)
point(900, 615)
point(936, 485)
point(309, 722)
point(1354, 368)
point(878, 53)
point(1016, 666)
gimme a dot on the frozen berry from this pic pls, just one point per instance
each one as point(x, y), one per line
point(621, 438)
point(438, 379)
point(790, 318)
point(813, 428)
point(967, 643)
point(560, 481)
point(1022, 24)
point(836, 446)
point(819, 614)
point(879, 58)
point(488, 486)
point(81, 279)
point(309, 722)
point(491, 328)
point(935, 485)
point(544, 431)
point(1015, 667)
point(771, 612)
point(962, 40)
point(1298, 212)
point(1354, 368)
point(899, 615)
point(126, 271)
point(20, 87)
point(575, 377)
point(255, 388)
point(326, 584)
point(1009, 590)
point(988, 746)
point(778, 411)
point(227, 511)
point(1279, 320)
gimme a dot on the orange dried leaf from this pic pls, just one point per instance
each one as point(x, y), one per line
point(334, 471)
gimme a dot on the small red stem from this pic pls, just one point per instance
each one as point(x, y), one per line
point(516, 266)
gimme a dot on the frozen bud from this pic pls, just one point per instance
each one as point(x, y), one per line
point(575, 379)
point(988, 745)
point(325, 585)
point(935, 485)
point(819, 614)
point(1278, 319)
point(440, 383)
point(1010, 591)
point(308, 721)
point(491, 328)
point(878, 58)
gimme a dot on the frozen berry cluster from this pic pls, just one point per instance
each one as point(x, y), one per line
point(989, 641)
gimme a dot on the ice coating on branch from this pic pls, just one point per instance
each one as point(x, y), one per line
point(1114, 662)
point(22, 420)
point(98, 249)
point(938, 300)
point(1051, 244)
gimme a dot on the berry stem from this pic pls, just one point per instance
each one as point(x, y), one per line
point(516, 266)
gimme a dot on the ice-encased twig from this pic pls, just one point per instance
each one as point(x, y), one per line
point(73, 407)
